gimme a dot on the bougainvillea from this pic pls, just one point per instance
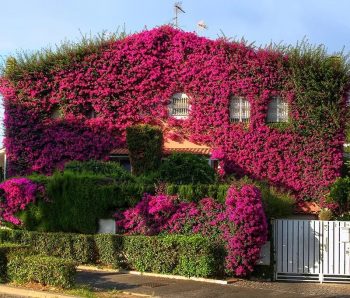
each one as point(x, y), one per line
point(240, 223)
point(16, 194)
point(131, 80)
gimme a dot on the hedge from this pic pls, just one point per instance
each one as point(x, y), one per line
point(145, 144)
point(6, 251)
point(196, 192)
point(73, 247)
point(75, 201)
point(42, 269)
point(167, 254)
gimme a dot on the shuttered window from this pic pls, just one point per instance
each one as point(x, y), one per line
point(239, 109)
point(179, 106)
point(277, 110)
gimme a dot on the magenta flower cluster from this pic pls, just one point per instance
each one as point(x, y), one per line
point(16, 194)
point(132, 80)
point(240, 223)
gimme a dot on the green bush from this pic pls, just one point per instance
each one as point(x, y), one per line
point(108, 249)
point(277, 204)
point(42, 269)
point(145, 144)
point(171, 254)
point(174, 254)
point(340, 193)
point(75, 202)
point(196, 192)
point(7, 250)
point(186, 168)
point(107, 169)
point(74, 247)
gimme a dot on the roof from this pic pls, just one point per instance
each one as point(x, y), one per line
point(171, 146)
point(306, 207)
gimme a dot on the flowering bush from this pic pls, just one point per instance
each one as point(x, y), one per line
point(131, 80)
point(240, 223)
point(16, 194)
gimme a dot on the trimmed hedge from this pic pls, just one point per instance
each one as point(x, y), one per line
point(187, 168)
point(73, 247)
point(170, 254)
point(145, 144)
point(42, 269)
point(175, 254)
point(75, 202)
point(196, 192)
point(7, 250)
point(96, 167)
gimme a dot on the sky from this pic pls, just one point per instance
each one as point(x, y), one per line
point(31, 25)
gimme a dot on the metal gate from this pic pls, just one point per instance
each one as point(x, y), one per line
point(312, 250)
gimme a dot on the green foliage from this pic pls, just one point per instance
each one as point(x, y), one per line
point(340, 192)
point(277, 204)
point(171, 254)
point(73, 247)
point(6, 251)
point(319, 81)
point(186, 168)
point(64, 55)
point(108, 248)
point(76, 200)
point(95, 167)
point(174, 254)
point(145, 144)
point(196, 192)
point(42, 269)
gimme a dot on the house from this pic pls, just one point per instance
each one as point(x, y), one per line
point(247, 107)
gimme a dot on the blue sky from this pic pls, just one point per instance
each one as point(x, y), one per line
point(34, 24)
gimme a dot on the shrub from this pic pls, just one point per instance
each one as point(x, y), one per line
point(7, 250)
point(108, 248)
point(102, 168)
point(73, 247)
point(191, 255)
point(186, 168)
point(240, 224)
point(75, 202)
point(42, 269)
point(340, 193)
point(277, 204)
point(15, 195)
point(176, 254)
point(145, 144)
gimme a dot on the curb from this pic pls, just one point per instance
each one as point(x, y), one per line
point(178, 277)
point(30, 293)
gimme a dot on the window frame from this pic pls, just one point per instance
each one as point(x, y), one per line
point(171, 108)
point(243, 104)
point(281, 105)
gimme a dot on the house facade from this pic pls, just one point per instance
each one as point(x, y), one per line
point(247, 107)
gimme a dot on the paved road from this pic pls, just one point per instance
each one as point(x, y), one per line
point(171, 288)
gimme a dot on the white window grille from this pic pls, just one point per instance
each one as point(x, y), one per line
point(179, 106)
point(277, 110)
point(239, 109)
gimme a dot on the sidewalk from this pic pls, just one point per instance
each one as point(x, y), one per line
point(172, 288)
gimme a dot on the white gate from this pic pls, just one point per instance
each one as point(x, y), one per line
point(312, 250)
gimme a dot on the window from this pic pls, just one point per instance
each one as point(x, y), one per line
point(277, 110)
point(239, 109)
point(179, 106)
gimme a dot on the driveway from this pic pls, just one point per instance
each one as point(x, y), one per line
point(172, 288)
